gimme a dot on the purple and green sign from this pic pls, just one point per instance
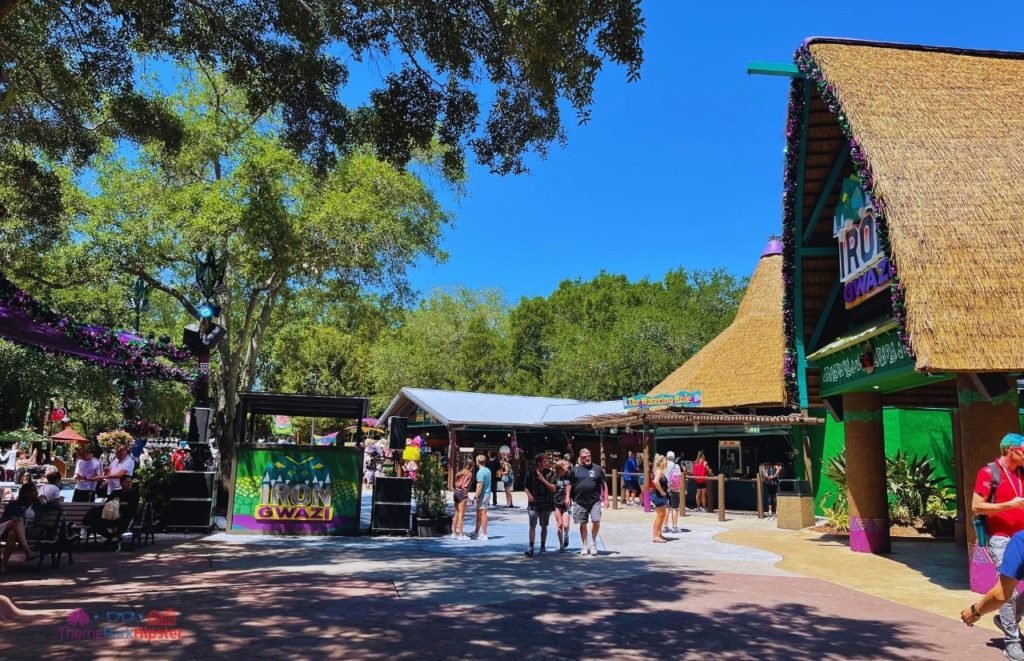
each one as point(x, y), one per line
point(863, 267)
point(290, 490)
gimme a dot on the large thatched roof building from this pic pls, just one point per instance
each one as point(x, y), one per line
point(943, 134)
point(742, 366)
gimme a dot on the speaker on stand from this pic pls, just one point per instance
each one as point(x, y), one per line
point(398, 429)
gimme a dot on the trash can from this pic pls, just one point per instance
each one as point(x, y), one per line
point(795, 505)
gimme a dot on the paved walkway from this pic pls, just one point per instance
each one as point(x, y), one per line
point(266, 597)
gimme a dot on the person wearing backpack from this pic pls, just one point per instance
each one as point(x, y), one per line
point(998, 506)
point(675, 482)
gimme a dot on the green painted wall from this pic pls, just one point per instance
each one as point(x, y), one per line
point(926, 433)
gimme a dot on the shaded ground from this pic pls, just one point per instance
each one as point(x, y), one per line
point(402, 598)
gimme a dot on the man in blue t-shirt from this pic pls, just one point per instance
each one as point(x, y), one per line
point(483, 493)
point(1011, 571)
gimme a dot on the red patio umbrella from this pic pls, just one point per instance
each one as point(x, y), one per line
point(68, 435)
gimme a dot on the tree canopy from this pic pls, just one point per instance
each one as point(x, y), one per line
point(70, 76)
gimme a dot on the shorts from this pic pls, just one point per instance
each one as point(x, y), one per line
point(508, 487)
point(460, 495)
point(673, 499)
point(632, 485)
point(482, 502)
point(658, 500)
point(543, 515)
point(581, 514)
point(702, 482)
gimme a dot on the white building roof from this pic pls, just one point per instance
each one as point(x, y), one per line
point(451, 407)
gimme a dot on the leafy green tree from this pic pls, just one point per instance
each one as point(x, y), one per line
point(69, 73)
point(455, 340)
point(288, 234)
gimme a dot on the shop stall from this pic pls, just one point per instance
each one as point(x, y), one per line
point(286, 489)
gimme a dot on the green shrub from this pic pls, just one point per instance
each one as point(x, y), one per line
point(429, 488)
point(837, 515)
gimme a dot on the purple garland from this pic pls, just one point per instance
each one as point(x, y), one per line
point(789, 238)
point(805, 62)
point(108, 342)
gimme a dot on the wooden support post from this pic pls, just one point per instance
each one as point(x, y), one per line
point(615, 488)
point(983, 423)
point(645, 486)
point(760, 495)
point(865, 472)
point(721, 496)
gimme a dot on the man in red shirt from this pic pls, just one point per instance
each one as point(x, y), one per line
point(999, 497)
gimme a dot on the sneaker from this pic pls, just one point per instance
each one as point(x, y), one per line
point(482, 537)
point(1013, 651)
point(584, 551)
point(674, 529)
point(529, 552)
point(454, 536)
point(542, 549)
point(565, 542)
point(463, 538)
point(593, 550)
point(664, 530)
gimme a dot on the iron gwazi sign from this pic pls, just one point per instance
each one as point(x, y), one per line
point(685, 398)
point(864, 269)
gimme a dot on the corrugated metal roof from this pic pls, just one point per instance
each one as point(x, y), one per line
point(451, 407)
point(558, 414)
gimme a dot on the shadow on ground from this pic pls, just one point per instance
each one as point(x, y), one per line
point(367, 600)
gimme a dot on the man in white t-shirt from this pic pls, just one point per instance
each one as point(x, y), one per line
point(121, 465)
point(674, 475)
point(88, 471)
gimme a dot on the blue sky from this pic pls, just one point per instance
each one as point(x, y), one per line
point(684, 167)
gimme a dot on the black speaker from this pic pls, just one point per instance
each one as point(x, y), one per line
point(398, 428)
point(991, 385)
point(391, 517)
point(199, 425)
point(392, 504)
point(392, 490)
point(192, 485)
point(834, 404)
point(189, 513)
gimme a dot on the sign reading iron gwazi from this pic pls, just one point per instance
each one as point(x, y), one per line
point(685, 398)
point(863, 268)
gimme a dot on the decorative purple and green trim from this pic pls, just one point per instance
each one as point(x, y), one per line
point(809, 68)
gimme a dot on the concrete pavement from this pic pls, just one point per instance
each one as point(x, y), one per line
point(402, 598)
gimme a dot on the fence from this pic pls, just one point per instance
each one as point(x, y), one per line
point(717, 486)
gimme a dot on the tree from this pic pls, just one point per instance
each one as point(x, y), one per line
point(455, 340)
point(287, 234)
point(69, 73)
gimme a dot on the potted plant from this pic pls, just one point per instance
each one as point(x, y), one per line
point(428, 489)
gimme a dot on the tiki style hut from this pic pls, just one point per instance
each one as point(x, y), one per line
point(745, 417)
point(902, 215)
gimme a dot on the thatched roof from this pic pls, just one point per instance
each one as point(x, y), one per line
point(943, 133)
point(742, 367)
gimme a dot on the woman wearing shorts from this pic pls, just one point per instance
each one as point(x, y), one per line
point(462, 481)
point(508, 479)
point(659, 497)
point(561, 511)
point(701, 471)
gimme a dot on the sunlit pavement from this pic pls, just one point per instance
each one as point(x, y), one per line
point(384, 597)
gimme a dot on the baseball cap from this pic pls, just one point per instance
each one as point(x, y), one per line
point(671, 455)
point(1011, 441)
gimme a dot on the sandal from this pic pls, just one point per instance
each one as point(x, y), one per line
point(660, 541)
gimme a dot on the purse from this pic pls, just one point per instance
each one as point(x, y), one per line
point(112, 510)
